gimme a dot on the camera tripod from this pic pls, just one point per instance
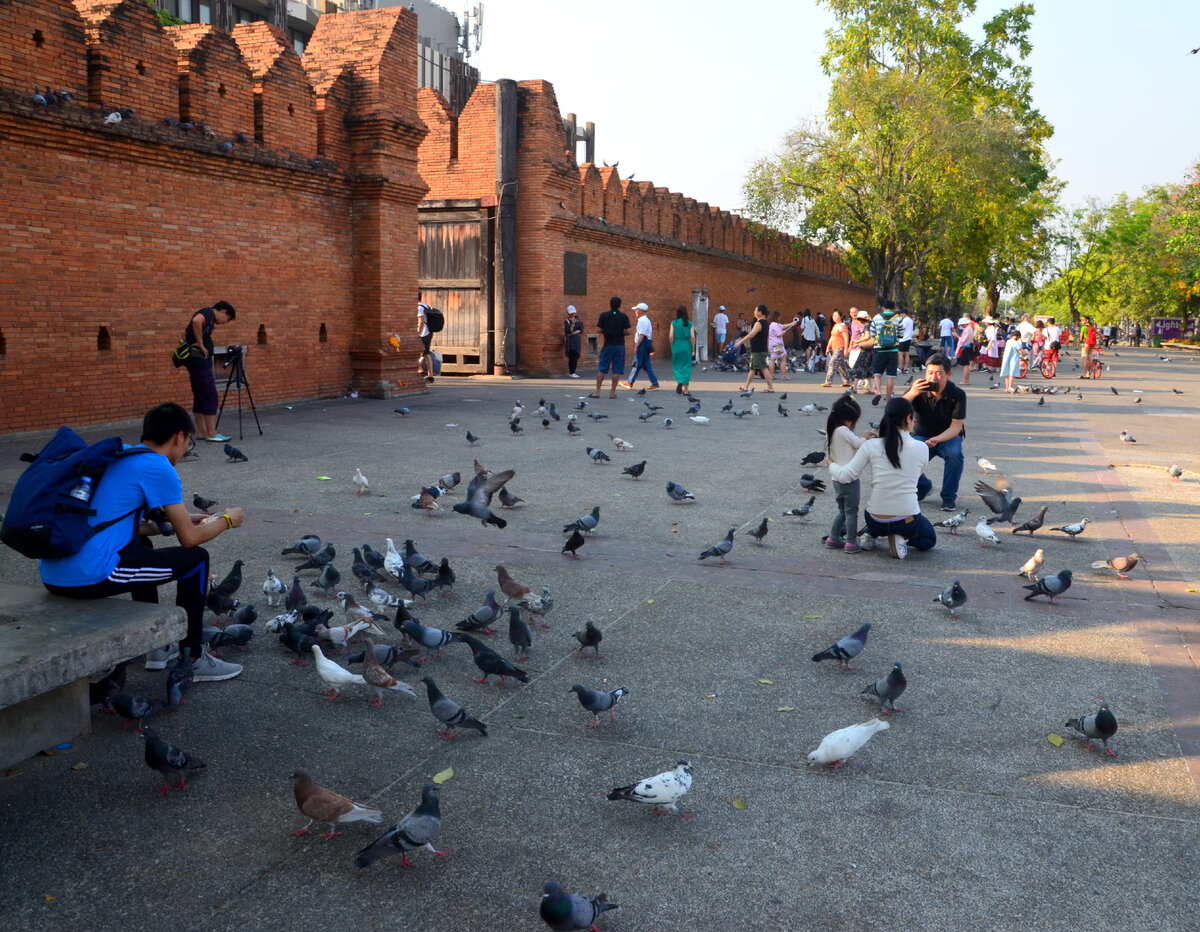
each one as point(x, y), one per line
point(236, 364)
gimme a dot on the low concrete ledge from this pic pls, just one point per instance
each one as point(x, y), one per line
point(50, 647)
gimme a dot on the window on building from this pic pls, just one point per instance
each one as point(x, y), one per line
point(205, 13)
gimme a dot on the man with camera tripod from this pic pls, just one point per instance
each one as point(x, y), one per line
point(200, 367)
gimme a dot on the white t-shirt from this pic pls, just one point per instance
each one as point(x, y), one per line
point(720, 322)
point(906, 329)
point(808, 328)
point(893, 491)
point(1027, 331)
point(844, 445)
point(424, 322)
point(947, 327)
point(645, 327)
point(1053, 332)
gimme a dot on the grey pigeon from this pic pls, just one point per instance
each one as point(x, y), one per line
point(635, 470)
point(245, 615)
point(783, 412)
point(492, 664)
point(232, 581)
point(599, 700)
point(415, 830)
point(728, 406)
point(999, 499)
point(320, 559)
point(388, 655)
point(420, 563)
point(168, 760)
point(598, 456)
point(721, 548)
point(565, 912)
point(587, 523)
point(519, 634)
point(1052, 586)
point(404, 412)
point(678, 493)
point(1101, 725)
point(204, 504)
point(295, 596)
point(573, 543)
point(329, 579)
point(449, 712)
point(847, 648)
point(471, 439)
point(814, 459)
point(887, 690)
point(1074, 530)
point(812, 484)
point(373, 557)
point(306, 546)
point(595, 416)
point(479, 497)
point(481, 619)
point(954, 522)
point(235, 455)
point(760, 532)
point(433, 639)
point(507, 499)
point(131, 708)
point(801, 511)
point(572, 429)
point(515, 425)
point(179, 680)
point(645, 416)
point(590, 636)
point(1032, 524)
point(952, 596)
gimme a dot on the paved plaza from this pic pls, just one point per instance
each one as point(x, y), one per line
point(962, 815)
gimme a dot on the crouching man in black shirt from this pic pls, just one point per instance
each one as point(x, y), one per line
point(941, 414)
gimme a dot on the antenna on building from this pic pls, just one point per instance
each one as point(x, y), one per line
point(472, 30)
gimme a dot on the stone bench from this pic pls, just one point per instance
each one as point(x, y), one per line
point(51, 646)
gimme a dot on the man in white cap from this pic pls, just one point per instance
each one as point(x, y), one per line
point(572, 339)
point(720, 325)
point(643, 346)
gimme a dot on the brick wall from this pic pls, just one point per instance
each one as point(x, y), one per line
point(113, 234)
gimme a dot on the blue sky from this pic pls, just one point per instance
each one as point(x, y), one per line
point(689, 94)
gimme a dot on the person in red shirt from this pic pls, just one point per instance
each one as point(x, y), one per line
point(836, 350)
point(1087, 344)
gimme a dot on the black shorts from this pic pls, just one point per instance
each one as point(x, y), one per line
point(904, 346)
point(967, 354)
point(884, 363)
point(426, 340)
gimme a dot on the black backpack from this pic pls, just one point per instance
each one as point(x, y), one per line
point(48, 513)
point(435, 320)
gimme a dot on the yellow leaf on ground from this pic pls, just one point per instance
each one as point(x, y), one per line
point(738, 803)
point(786, 708)
point(1054, 739)
point(440, 778)
point(766, 682)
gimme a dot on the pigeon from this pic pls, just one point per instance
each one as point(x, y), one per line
point(1029, 569)
point(417, 561)
point(661, 791)
point(538, 604)
point(39, 99)
point(595, 416)
point(1119, 565)
point(362, 570)
point(985, 465)
point(403, 412)
point(361, 482)
point(620, 444)
point(678, 493)
point(449, 712)
point(519, 635)
point(887, 690)
point(507, 499)
point(306, 546)
point(379, 679)
point(1113, 389)
point(179, 680)
point(324, 805)
point(800, 511)
point(372, 556)
point(131, 708)
point(471, 439)
point(114, 117)
point(741, 413)
point(728, 406)
point(580, 405)
point(342, 635)
point(168, 760)
point(847, 648)
point(652, 407)
point(1041, 402)
point(747, 394)
point(564, 912)
point(598, 456)
point(481, 619)
point(232, 582)
point(515, 426)
point(319, 560)
point(388, 656)
point(234, 455)
point(599, 700)
point(334, 675)
point(479, 497)
point(694, 409)
point(492, 664)
point(573, 543)
point(1127, 437)
point(415, 584)
point(783, 412)
point(999, 499)
point(393, 562)
point(353, 611)
point(635, 470)
point(812, 484)
point(1101, 724)
point(509, 586)
point(554, 416)
point(204, 504)
point(587, 523)
point(837, 747)
point(572, 429)
point(245, 614)
point(985, 534)
point(813, 459)
point(1074, 530)
point(235, 635)
point(721, 548)
point(754, 410)
point(1052, 586)
point(668, 423)
point(813, 408)
point(433, 639)
point(698, 419)
point(760, 532)
point(952, 597)
point(415, 830)
point(590, 636)
point(1032, 524)
point(954, 522)
point(1175, 471)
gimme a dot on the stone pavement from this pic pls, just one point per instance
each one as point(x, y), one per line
point(961, 815)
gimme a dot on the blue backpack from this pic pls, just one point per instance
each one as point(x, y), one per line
point(887, 338)
point(48, 514)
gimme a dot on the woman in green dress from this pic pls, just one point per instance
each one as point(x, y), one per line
point(683, 349)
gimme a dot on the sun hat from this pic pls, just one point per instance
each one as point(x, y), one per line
point(963, 321)
point(643, 306)
point(571, 309)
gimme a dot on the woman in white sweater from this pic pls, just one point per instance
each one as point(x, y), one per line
point(896, 462)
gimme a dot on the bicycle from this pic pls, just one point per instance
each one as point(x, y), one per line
point(1094, 366)
point(1046, 363)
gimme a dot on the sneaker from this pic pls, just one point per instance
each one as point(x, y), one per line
point(832, 544)
point(219, 438)
point(574, 375)
point(868, 542)
point(208, 669)
point(852, 548)
point(653, 388)
point(897, 546)
point(158, 659)
point(949, 506)
point(626, 385)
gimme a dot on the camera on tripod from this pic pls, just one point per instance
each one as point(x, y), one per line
point(232, 353)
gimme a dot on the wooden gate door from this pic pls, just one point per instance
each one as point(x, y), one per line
point(455, 275)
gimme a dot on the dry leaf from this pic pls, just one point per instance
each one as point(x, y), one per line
point(766, 682)
point(786, 708)
point(440, 778)
point(1054, 739)
point(738, 803)
point(80, 766)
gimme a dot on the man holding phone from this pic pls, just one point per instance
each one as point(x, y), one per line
point(940, 407)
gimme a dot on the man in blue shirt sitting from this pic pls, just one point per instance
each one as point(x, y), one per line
point(121, 558)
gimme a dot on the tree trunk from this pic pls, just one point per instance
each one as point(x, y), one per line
point(993, 296)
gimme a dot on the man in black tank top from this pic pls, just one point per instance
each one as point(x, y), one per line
point(757, 338)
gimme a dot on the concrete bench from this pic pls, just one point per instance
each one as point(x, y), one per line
point(50, 647)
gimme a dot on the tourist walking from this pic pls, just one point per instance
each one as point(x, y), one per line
point(757, 339)
point(643, 347)
point(683, 349)
point(836, 350)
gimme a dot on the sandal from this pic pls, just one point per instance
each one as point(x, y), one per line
point(612, 394)
point(594, 395)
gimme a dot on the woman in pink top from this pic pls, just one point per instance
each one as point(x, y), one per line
point(776, 353)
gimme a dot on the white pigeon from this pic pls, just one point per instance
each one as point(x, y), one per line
point(809, 408)
point(986, 465)
point(837, 747)
point(754, 410)
point(382, 597)
point(361, 481)
point(274, 588)
point(355, 612)
point(277, 624)
point(986, 534)
point(661, 791)
point(572, 418)
point(517, 411)
point(335, 676)
point(698, 419)
point(393, 560)
point(620, 444)
point(1029, 570)
point(342, 634)
point(1127, 437)
point(114, 117)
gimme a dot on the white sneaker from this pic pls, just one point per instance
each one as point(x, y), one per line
point(897, 546)
point(574, 375)
point(208, 669)
point(867, 542)
point(158, 659)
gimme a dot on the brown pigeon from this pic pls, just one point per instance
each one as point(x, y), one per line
point(324, 805)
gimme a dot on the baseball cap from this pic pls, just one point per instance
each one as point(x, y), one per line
point(643, 306)
point(571, 309)
point(863, 315)
point(722, 307)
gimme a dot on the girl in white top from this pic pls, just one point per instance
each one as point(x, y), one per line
point(844, 443)
point(896, 462)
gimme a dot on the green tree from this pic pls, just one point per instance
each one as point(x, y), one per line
point(1081, 263)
